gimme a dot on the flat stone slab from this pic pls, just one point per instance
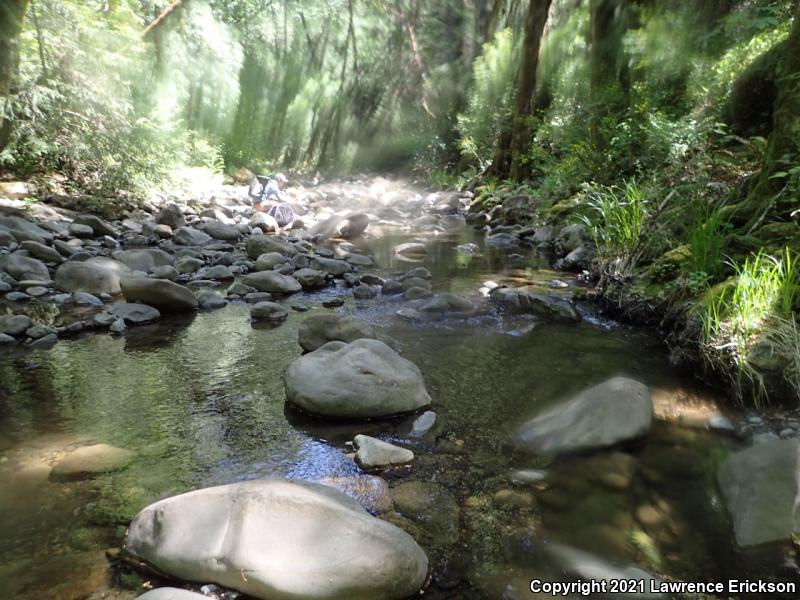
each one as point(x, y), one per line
point(91, 460)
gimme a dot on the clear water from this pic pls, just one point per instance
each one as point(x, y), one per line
point(201, 401)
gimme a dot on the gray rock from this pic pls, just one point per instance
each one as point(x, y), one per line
point(14, 325)
point(502, 240)
point(219, 272)
point(415, 282)
point(364, 292)
point(84, 299)
point(45, 341)
point(262, 244)
point(274, 283)
point(255, 297)
point(411, 250)
point(64, 249)
point(310, 279)
point(429, 504)
point(448, 303)
point(528, 301)
point(6, 339)
point(133, 313)
point(171, 593)
point(221, 231)
point(269, 311)
point(423, 423)
point(98, 225)
point(359, 260)
point(144, 260)
point(610, 413)
point(318, 330)
point(172, 216)
point(264, 527)
point(241, 289)
point(330, 265)
point(37, 291)
point(39, 331)
point(210, 300)
point(94, 276)
point(189, 236)
point(761, 488)
point(186, 265)
point(391, 287)
point(22, 267)
point(269, 260)
point(17, 297)
point(163, 294)
point(362, 379)
point(91, 460)
point(165, 272)
point(42, 252)
point(118, 327)
point(372, 453)
point(23, 230)
point(80, 231)
point(162, 231)
point(417, 293)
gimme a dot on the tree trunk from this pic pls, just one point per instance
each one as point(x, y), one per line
point(512, 146)
point(783, 147)
point(12, 15)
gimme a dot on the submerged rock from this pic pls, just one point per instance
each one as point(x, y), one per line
point(292, 540)
point(761, 488)
point(430, 504)
point(269, 311)
point(370, 491)
point(363, 379)
point(526, 300)
point(91, 460)
point(134, 314)
point(318, 330)
point(610, 413)
point(372, 453)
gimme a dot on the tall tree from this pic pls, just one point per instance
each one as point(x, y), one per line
point(513, 144)
point(12, 15)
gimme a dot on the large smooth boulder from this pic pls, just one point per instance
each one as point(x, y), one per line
point(222, 231)
point(144, 260)
point(269, 311)
point(94, 276)
point(98, 225)
point(14, 325)
point(279, 540)
point(163, 294)
point(42, 252)
point(262, 244)
point(268, 261)
point(331, 265)
point(607, 414)
point(363, 379)
point(23, 230)
point(22, 267)
point(761, 488)
point(310, 279)
point(528, 301)
point(318, 330)
point(272, 282)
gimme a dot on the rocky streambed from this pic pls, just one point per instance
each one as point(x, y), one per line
point(382, 400)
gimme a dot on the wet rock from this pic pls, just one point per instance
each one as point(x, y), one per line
point(172, 216)
point(418, 282)
point(42, 252)
point(527, 301)
point(91, 460)
point(143, 260)
point(369, 491)
point(417, 293)
point(423, 423)
point(6, 339)
point(263, 528)
point(94, 276)
point(241, 289)
point(133, 313)
point(22, 267)
point(24, 230)
point(161, 293)
point(333, 303)
point(512, 499)
point(39, 331)
point(163, 232)
point(580, 258)
point(270, 260)
point(255, 297)
point(318, 330)
point(761, 488)
point(17, 297)
point(411, 250)
point(186, 265)
point(391, 287)
point(165, 272)
point(262, 244)
point(210, 300)
point(171, 593)
point(219, 272)
point(364, 292)
point(572, 237)
point(84, 299)
point(330, 265)
point(14, 325)
point(502, 240)
point(610, 413)
point(431, 505)
point(310, 279)
point(37, 291)
point(370, 279)
point(348, 226)
point(362, 379)
point(449, 304)
point(372, 453)
point(189, 236)
point(269, 311)
point(272, 282)
point(359, 260)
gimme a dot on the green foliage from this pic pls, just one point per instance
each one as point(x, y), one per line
point(707, 241)
point(735, 317)
point(616, 216)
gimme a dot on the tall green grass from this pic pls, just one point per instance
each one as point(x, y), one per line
point(763, 293)
point(707, 241)
point(616, 217)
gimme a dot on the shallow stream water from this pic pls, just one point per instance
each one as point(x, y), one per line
point(201, 402)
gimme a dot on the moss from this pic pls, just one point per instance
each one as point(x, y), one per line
point(564, 208)
point(778, 231)
point(670, 263)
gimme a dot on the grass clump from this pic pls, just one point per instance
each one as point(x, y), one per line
point(757, 308)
